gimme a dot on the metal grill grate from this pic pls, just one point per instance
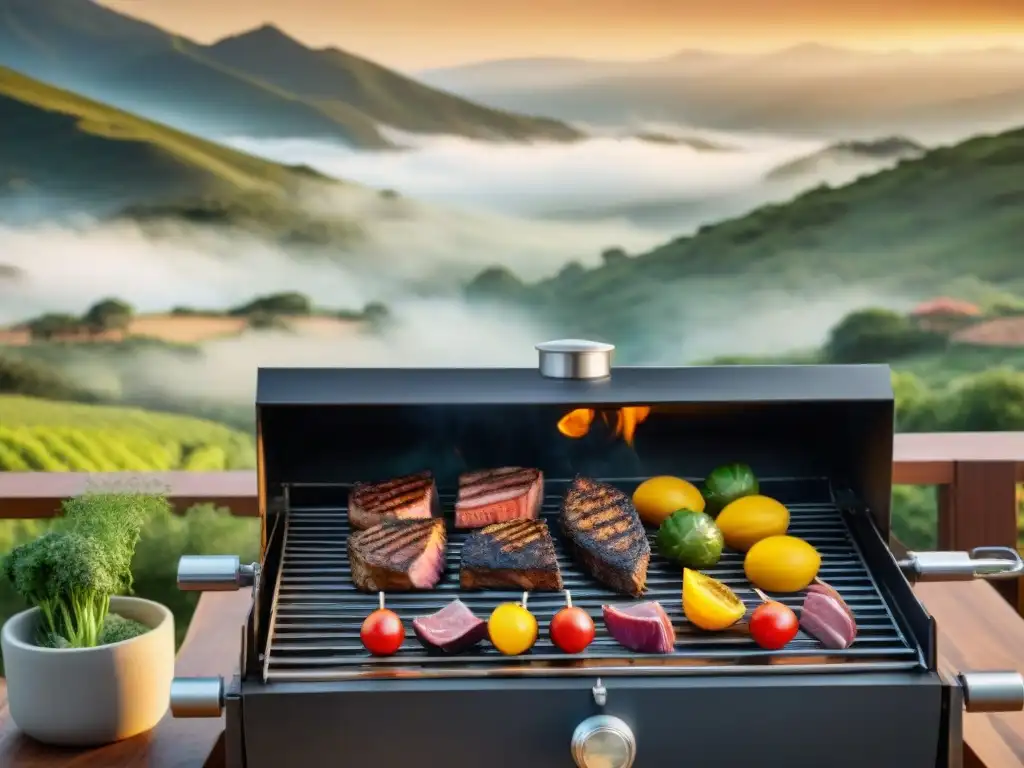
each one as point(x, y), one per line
point(317, 612)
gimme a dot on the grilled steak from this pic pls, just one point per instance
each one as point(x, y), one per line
point(453, 629)
point(412, 497)
point(606, 535)
point(398, 555)
point(497, 495)
point(517, 553)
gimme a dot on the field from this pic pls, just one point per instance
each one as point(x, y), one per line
point(195, 329)
point(49, 436)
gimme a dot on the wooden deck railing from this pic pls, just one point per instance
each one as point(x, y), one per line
point(976, 474)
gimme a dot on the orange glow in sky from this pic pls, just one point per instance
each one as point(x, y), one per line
point(417, 33)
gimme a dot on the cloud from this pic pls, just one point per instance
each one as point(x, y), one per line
point(424, 333)
point(532, 179)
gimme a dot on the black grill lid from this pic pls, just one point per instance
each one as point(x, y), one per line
point(525, 386)
point(343, 425)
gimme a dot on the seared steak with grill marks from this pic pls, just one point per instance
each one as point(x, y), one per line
point(497, 495)
point(412, 497)
point(517, 553)
point(606, 535)
point(398, 555)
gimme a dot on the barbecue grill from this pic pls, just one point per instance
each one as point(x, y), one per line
point(820, 438)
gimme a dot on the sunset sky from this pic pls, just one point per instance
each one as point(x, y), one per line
point(413, 34)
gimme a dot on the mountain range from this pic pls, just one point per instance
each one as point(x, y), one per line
point(805, 89)
point(946, 222)
point(261, 83)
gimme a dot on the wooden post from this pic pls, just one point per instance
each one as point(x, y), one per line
point(979, 509)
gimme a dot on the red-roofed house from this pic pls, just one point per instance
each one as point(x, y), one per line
point(944, 314)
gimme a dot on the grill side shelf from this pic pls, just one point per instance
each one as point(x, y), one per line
point(317, 612)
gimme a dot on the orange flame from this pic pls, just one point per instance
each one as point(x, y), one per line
point(576, 424)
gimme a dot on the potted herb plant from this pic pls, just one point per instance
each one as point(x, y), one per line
point(87, 664)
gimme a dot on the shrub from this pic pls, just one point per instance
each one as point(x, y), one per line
point(53, 324)
point(108, 315)
point(612, 256)
point(25, 377)
point(877, 335)
point(496, 283)
point(288, 303)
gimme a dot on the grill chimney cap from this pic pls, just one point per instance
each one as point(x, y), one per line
point(575, 359)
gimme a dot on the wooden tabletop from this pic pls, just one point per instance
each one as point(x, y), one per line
point(979, 631)
point(211, 647)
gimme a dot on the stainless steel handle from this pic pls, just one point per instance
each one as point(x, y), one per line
point(992, 691)
point(197, 696)
point(979, 563)
point(215, 573)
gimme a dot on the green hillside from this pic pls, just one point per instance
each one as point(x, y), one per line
point(334, 79)
point(96, 51)
point(49, 136)
point(53, 436)
point(72, 153)
point(949, 221)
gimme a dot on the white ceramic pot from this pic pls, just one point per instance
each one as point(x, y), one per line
point(90, 696)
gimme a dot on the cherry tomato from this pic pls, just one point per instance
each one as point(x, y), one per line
point(382, 632)
point(571, 629)
point(512, 628)
point(773, 625)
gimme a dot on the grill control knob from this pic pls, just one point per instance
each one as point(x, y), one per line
point(603, 741)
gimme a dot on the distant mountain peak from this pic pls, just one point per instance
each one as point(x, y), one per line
point(265, 34)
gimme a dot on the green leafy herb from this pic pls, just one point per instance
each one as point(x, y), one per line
point(71, 573)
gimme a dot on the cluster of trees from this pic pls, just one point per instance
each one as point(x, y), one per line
point(985, 401)
point(878, 336)
point(102, 317)
point(268, 311)
point(989, 401)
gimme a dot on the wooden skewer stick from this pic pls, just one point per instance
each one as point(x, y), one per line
point(380, 598)
point(762, 595)
point(526, 596)
point(568, 599)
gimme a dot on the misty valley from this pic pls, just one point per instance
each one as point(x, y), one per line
point(700, 206)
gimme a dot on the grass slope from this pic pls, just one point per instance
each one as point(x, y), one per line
point(57, 142)
point(336, 80)
point(949, 220)
point(61, 152)
point(53, 436)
